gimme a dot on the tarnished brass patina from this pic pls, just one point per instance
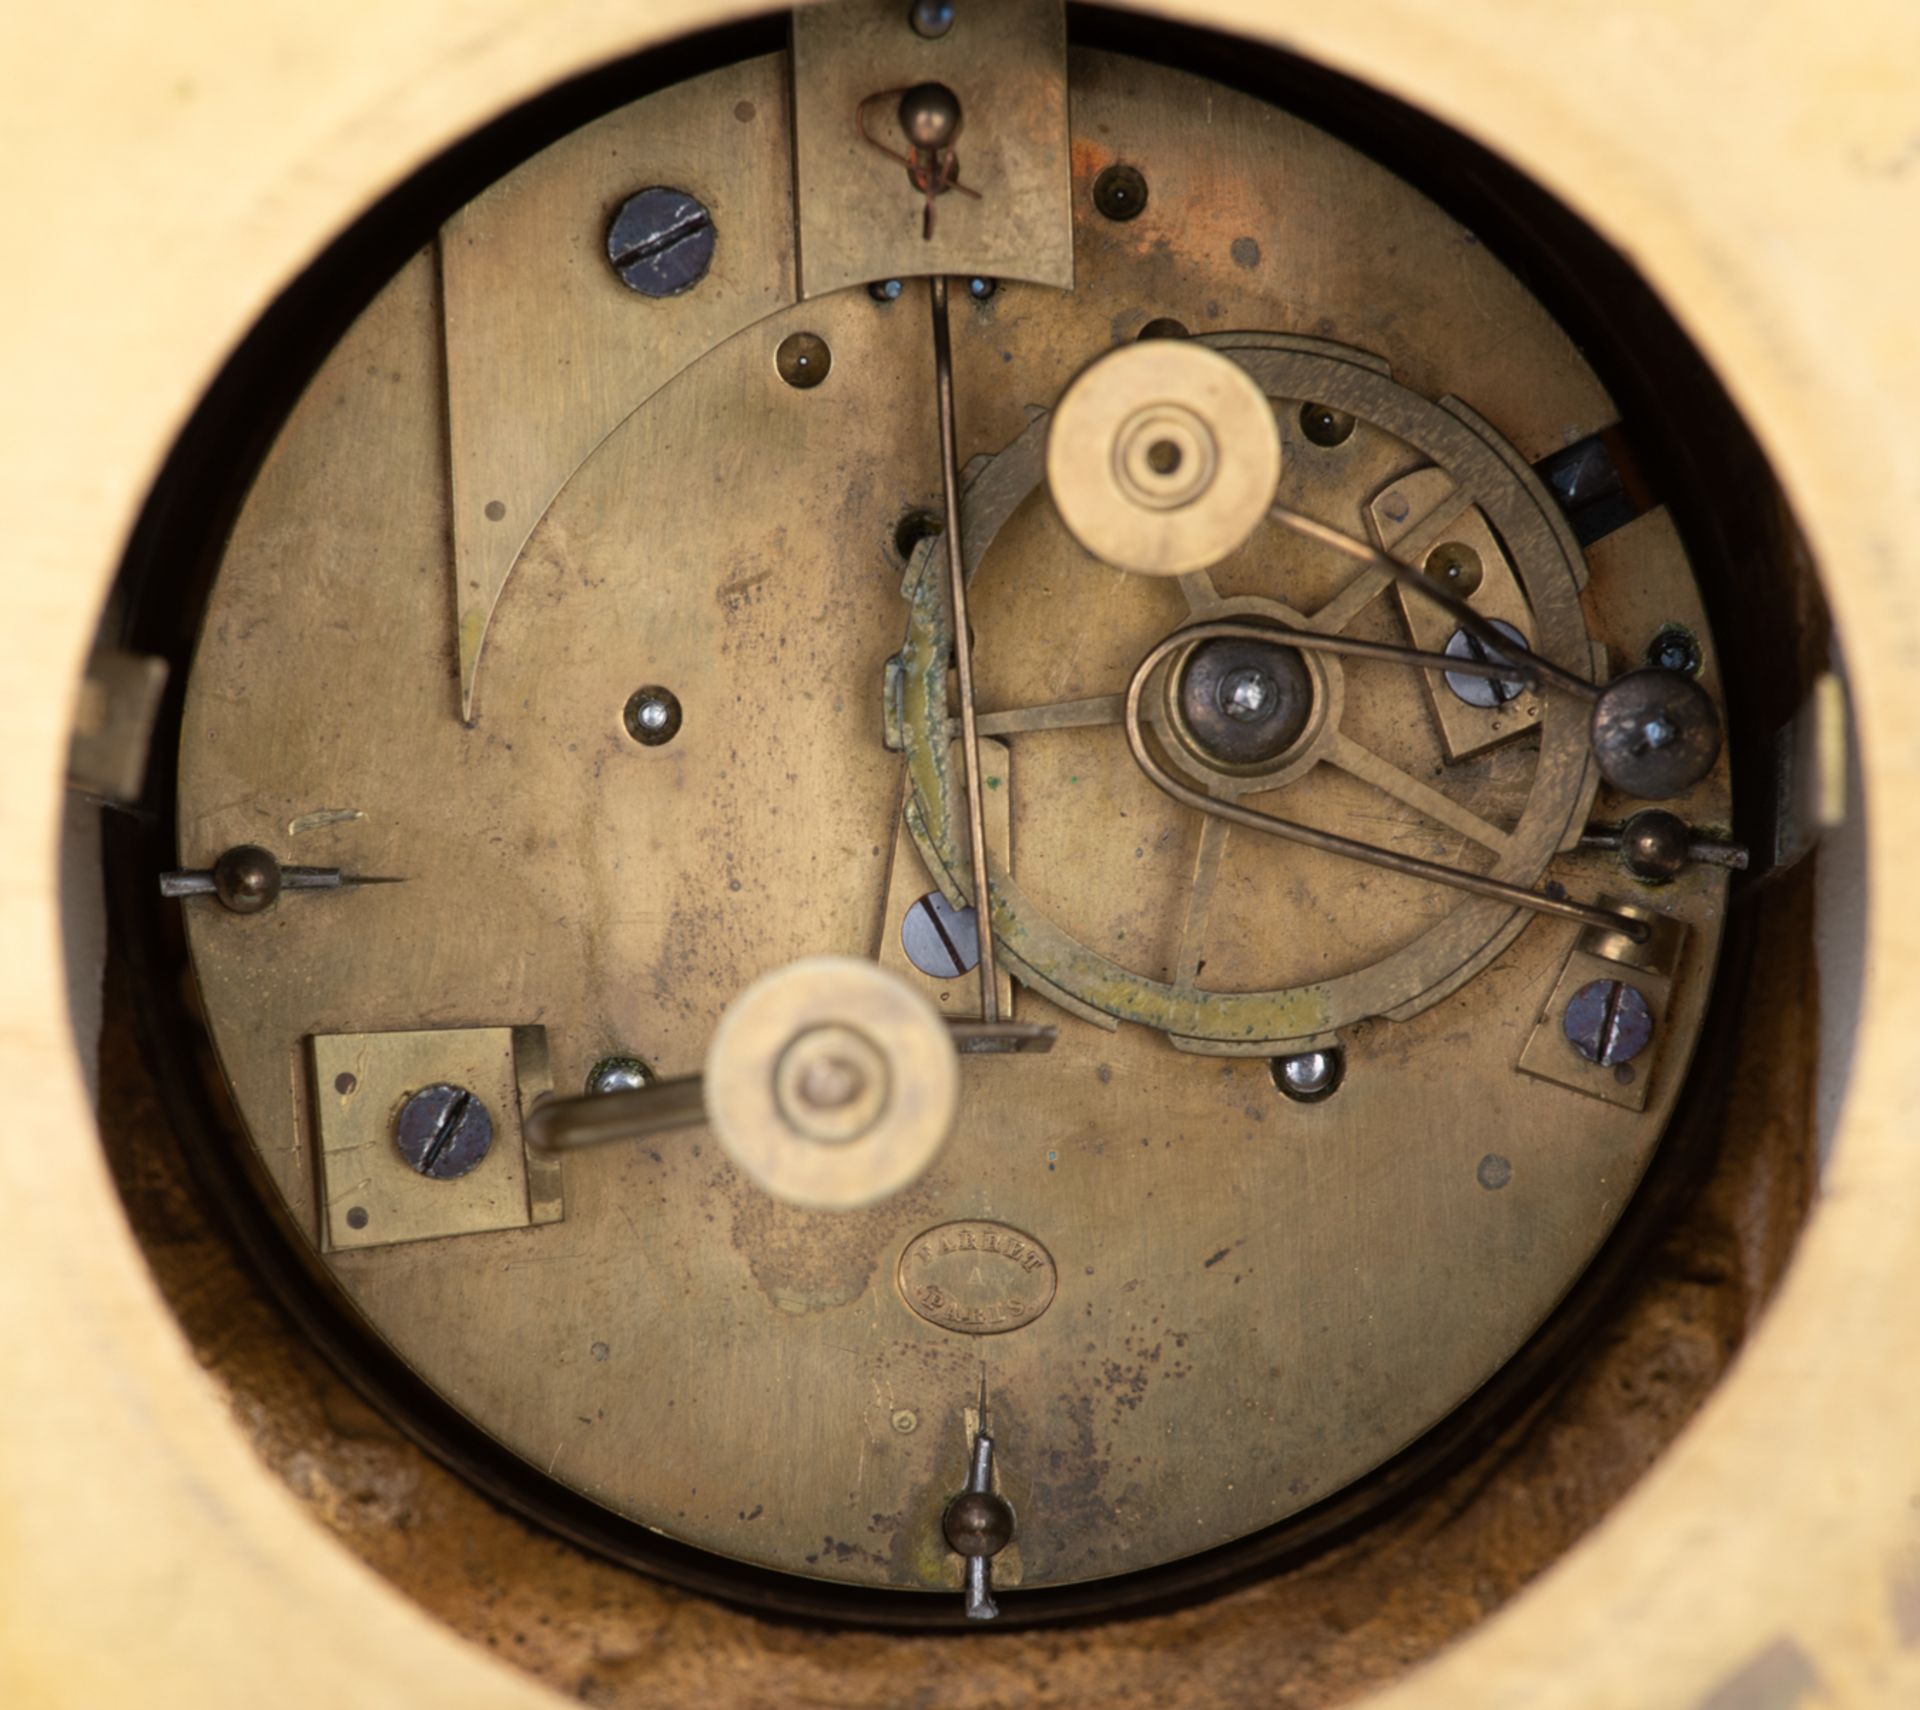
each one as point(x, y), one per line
point(1247, 1302)
point(859, 218)
point(1443, 455)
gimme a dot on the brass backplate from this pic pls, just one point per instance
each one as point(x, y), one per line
point(1257, 1301)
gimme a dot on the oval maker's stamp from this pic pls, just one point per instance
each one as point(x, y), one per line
point(977, 1277)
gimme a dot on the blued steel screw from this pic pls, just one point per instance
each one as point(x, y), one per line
point(443, 1131)
point(661, 242)
point(885, 290)
point(980, 289)
point(942, 941)
point(1481, 691)
point(1608, 1022)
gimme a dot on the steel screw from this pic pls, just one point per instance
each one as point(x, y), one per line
point(982, 289)
point(931, 18)
point(443, 1131)
point(652, 715)
point(661, 242)
point(1484, 692)
point(1309, 1076)
point(619, 1074)
point(1120, 192)
point(1247, 693)
point(1674, 648)
point(942, 941)
point(885, 290)
point(1608, 1022)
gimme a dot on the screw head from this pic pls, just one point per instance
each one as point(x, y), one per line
point(930, 116)
point(1120, 192)
point(1325, 426)
point(1244, 703)
point(1674, 648)
point(660, 243)
point(931, 18)
point(803, 360)
point(1486, 692)
point(1247, 693)
point(619, 1074)
point(981, 289)
point(1655, 734)
point(246, 879)
point(1308, 1076)
point(885, 290)
point(1654, 845)
point(443, 1131)
point(942, 941)
point(652, 715)
point(1608, 1022)
point(978, 1523)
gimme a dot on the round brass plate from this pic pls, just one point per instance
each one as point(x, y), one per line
point(831, 1083)
point(723, 540)
point(1801, 1587)
point(1163, 457)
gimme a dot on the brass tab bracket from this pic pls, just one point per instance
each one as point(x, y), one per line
point(858, 218)
point(1613, 995)
point(371, 1194)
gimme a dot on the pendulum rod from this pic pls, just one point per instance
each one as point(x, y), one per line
point(963, 643)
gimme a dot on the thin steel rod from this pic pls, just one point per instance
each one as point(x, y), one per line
point(1504, 648)
point(1708, 851)
point(1313, 641)
point(560, 1125)
point(557, 1126)
point(1000, 1038)
point(1333, 843)
point(963, 643)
